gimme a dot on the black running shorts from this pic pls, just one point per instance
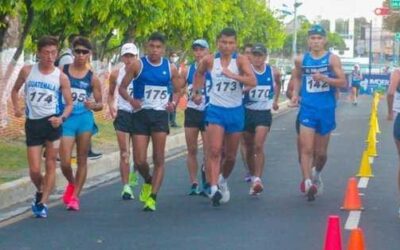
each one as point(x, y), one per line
point(255, 118)
point(148, 121)
point(124, 121)
point(194, 119)
point(39, 131)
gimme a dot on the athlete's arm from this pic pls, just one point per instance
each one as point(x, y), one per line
point(65, 87)
point(296, 81)
point(199, 78)
point(23, 74)
point(277, 89)
point(130, 73)
point(178, 84)
point(246, 75)
point(394, 82)
point(289, 90)
point(340, 78)
point(111, 90)
point(97, 104)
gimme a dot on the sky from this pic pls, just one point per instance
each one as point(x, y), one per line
point(332, 8)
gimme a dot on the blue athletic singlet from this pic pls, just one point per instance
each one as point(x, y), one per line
point(225, 92)
point(42, 93)
point(152, 85)
point(81, 90)
point(261, 96)
point(317, 94)
point(205, 90)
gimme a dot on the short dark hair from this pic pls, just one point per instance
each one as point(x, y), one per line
point(82, 41)
point(47, 41)
point(247, 45)
point(227, 32)
point(157, 36)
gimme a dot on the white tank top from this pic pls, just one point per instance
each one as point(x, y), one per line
point(42, 93)
point(122, 104)
point(225, 92)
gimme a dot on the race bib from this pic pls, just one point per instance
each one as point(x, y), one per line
point(130, 90)
point(316, 86)
point(42, 97)
point(226, 86)
point(155, 96)
point(260, 93)
point(78, 96)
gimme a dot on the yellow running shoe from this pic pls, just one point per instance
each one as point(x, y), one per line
point(145, 192)
point(133, 179)
point(150, 205)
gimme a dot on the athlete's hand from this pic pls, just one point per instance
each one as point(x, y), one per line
point(318, 77)
point(55, 121)
point(390, 116)
point(136, 104)
point(197, 99)
point(226, 72)
point(170, 107)
point(18, 112)
point(113, 111)
point(294, 102)
point(275, 106)
point(90, 104)
point(247, 88)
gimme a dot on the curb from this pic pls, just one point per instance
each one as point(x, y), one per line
point(21, 190)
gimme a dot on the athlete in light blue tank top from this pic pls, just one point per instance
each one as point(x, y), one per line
point(316, 76)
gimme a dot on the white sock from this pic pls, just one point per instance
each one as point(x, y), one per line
point(255, 178)
point(214, 189)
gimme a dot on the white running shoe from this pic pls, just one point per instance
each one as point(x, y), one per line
point(256, 188)
point(224, 189)
point(317, 181)
point(311, 190)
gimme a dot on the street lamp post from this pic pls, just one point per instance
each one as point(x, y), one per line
point(294, 44)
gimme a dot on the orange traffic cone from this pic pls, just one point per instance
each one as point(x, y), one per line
point(333, 237)
point(356, 240)
point(352, 200)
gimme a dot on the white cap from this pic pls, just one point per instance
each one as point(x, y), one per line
point(129, 48)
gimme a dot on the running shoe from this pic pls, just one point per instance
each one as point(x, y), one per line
point(194, 189)
point(94, 156)
point(145, 192)
point(224, 189)
point(73, 204)
point(69, 190)
point(133, 179)
point(127, 193)
point(216, 198)
point(40, 210)
point(150, 205)
point(317, 181)
point(256, 188)
point(311, 190)
point(206, 190)
point(302, 187)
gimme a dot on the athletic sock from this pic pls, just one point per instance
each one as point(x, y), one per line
point(214, 189)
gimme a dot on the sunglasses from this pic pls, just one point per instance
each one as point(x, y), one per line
point(81, 51)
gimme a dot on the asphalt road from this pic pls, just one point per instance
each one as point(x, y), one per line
point(280, 218)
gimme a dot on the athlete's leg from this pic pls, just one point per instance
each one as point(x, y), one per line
point(82, 148)
point(191, 135)
point(243, 154)
point(259, 141)
point(230, 149)
point(140, 144)
point(66, 146)
point(50, 165)
point(249, 140)
point(306, 137)
point(158, 141)
point(123, 144)
point(215, 138)
point(320, 150)
point(34, 155)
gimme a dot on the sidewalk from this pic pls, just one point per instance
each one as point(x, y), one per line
point(15, 196)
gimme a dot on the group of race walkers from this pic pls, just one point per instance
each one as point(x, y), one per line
point(230, 98)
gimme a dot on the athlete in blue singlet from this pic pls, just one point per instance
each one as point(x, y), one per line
point(258, 103)
point(317, 74)
point(44, 84)
point(80, 126)
point(393, 103)
point(225, 112)
point(152, 76)
point(194, 118)
point(356, 78)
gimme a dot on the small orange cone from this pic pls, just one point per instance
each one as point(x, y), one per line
point(365, 167)
point(356, 240)
point(352, 200)
point(333, 237)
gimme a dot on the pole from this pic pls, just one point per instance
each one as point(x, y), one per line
point(370, 52)
point(294, 44)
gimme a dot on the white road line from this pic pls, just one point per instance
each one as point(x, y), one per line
point(353, 220)
point(363, 182)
